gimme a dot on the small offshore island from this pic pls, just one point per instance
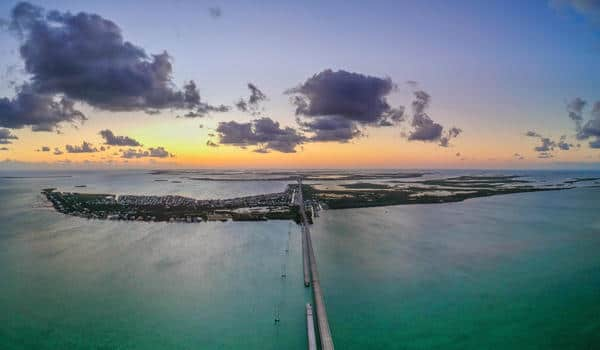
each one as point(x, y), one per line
point(283, 205)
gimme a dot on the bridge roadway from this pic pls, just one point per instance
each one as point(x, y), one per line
point(322, 322)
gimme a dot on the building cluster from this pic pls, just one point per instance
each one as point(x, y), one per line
point(171, 208)
point(263, 200)
point(157, 201)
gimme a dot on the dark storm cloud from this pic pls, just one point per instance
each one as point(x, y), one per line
point(252, 104)
point(354, 96)
point(111, 139)
point(215, 12)
point(85, 147)
point(42, 112)
point(83, 57)
point(263, 132)
point(332, 128)
point(6, 137)
point(330, 97)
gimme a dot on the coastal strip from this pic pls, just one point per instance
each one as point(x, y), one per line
point(322, 321)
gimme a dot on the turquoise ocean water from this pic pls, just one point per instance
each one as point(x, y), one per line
point(519, 271)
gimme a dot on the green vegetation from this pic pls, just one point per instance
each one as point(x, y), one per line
point(365, 185)
point(475, 181)
point(434, 191)
point(107, 206)
point(358, 199)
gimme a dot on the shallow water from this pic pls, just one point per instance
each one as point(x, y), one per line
point(516, 271)
point(507, 272)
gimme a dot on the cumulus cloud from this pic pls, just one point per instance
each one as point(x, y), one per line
point(43, 149)
point(6, 137)
point(563, 144)
point(357, 97)
point(133, 153)
point(518, 156)
point(585, 130)
point(424, 128)
point(252, 104)
point(451, 133)
point(85, 147)
point(575, 109)
point(57, 151)
point(344, 99)
point(546, 146)
point(210, 143)
point(201, 109)
point(158, 152)
point(264, 133)
point(84, 57)
point(111, 139)
point(591, 129)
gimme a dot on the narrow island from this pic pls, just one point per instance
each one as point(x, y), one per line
point(175, 208)
point(282, 205)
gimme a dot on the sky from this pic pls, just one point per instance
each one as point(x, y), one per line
point(310, 84)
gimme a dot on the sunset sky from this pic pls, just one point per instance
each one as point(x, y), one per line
point(303, 84)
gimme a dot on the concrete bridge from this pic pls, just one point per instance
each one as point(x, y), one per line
point(309, 255)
